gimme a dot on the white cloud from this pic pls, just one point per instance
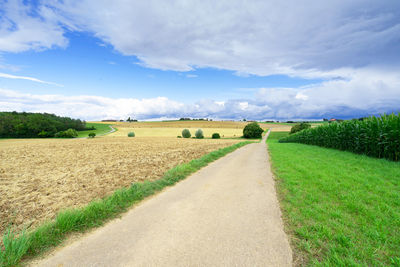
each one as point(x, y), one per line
point(359, 96)
point(301, 96)
point(191, 75)
point(9, 76)
point(249, 37)
point(20, 31)
point(367, 92)
point(90, 107)
point(243, 105)
point(307, 39)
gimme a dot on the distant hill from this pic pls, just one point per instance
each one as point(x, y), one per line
point(30, 125)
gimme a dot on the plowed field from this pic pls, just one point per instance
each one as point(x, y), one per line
point(38, 178)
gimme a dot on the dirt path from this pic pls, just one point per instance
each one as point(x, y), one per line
point(226, 214)
point(111, 131)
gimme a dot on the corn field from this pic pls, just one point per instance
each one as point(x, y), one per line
point(375, 136)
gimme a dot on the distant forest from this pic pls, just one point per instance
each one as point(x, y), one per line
point(25, 125)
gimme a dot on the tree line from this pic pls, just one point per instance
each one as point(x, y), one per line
point(25, 125)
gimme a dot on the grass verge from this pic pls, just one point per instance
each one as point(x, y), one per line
point(101, 129)
point(341, 209)
point(96, 213)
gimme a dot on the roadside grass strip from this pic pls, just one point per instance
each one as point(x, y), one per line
point(14, 246)
point(340, 208)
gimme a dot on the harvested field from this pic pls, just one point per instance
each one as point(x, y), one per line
point(174, 132)
point(276, 127)
point(180, 124)
point(40, 177)
point(214, 126)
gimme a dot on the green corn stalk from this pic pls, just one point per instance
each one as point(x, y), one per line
point(374, 136)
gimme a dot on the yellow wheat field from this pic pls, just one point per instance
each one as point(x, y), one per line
point(40, 177)
point(174, 128)
point(179, 124)
point(174, 132)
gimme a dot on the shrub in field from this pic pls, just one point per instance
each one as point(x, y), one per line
point(299, 127)
point(131, 134)
point(44, 134)
point(92, 135)
point(199, 134)
point(215, 136)
point(375, 136)
point(70, 133)
point(186, 133)
point(252, 130)
point(179, 136)
point(91, 128)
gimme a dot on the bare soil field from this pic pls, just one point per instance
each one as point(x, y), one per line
point(40, 177)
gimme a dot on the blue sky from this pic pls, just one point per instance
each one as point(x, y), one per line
point(225, 60)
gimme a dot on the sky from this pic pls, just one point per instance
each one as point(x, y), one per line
point(236, 59)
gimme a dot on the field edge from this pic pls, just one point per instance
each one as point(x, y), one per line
point(299, 257)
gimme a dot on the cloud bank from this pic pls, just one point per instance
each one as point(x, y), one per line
point(362, 95)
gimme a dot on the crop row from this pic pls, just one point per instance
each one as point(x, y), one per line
point(374, 136)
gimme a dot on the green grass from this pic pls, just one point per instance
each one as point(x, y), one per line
point(340, 208)
point(97, 212)
point(101, 129)
point(15, 248)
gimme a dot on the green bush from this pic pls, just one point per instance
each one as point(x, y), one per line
point(92, 135)
point(252, 130)
point(199, 134)
point(179, 136)
point(44, 134)
point(70, 133)
point(299, 127)
point(215, 136)
point(131, 134)
point(186, 133)
point(375, 136)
